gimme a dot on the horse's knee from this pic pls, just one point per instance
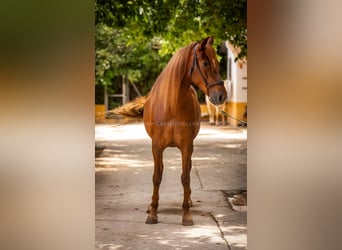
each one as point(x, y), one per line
point(185, 179)
point(157, 179)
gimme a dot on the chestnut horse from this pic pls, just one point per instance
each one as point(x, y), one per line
point(172, 112)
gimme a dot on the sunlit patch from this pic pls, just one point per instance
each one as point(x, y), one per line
point(201, 233)
point(219, 215)
point(109, 246)
point(142, 235)
point(236, 235)
point(119, 133)
point(99, 169)
point(232, 146)
point(202, 158)
point(120, 160)
point(137, 172)
point(223, 134)
point(137, 131)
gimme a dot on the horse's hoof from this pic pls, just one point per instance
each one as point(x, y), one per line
point(187, 221)
point(151, 219)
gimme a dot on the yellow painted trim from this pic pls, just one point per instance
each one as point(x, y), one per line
point(100, 112)
point(204, 109)
point(236, 109)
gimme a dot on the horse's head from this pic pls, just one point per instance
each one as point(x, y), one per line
point(204, 71)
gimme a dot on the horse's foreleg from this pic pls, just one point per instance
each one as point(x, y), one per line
point(186, 167)
point(190, 201)
point(217, 115)
point(152, 218)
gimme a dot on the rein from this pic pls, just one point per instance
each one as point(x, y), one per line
point(195, 64)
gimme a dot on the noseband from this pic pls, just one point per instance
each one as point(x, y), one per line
point(195, 64)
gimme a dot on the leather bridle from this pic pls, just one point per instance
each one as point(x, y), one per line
point(195, 64)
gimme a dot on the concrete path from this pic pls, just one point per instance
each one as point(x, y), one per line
point(124, 187)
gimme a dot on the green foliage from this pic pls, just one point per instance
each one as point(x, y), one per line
point(118, 54)
point(151, 17)
point(228, 21)
point(136, 38)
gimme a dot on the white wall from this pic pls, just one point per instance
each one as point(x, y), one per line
point(241, 83)
point(238, 82)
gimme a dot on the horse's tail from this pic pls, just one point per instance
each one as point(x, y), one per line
point(134, 108)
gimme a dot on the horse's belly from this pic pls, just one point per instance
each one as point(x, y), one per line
point(172, 130)
point(188, 130)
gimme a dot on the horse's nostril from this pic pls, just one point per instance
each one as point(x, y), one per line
point(220, 98)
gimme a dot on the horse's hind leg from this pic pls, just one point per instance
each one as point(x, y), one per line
point(210, 112)
point(157, 151)
point(224, 118)
point(186, 167)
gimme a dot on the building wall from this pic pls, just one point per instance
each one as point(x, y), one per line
point(237, 88)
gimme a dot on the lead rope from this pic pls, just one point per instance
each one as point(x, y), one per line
point(226, 114)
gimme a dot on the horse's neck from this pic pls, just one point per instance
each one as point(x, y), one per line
point(186, 96)
point(185, 90)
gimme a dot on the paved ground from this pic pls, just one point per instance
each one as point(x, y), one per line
point(124, 187)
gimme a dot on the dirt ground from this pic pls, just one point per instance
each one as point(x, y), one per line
point(124, 168)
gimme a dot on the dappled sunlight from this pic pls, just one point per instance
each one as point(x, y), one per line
point(199, 231)
point(108, 169)
point(222, 133)
point(235, 228)
point(201, 234)
point(236, 234)
point(137, 131)
point(165, 242)
point(119, 157)
point(122, 162)
point(111, 246)
point(162, 243)
point(119, 133)
point(219, 215)
point(175, 168)
point(124, 167)
point(205, 158)
point(232, 146)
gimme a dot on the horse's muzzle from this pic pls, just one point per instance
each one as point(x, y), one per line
point(218, 96)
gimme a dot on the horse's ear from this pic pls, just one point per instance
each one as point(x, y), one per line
point(209, 40)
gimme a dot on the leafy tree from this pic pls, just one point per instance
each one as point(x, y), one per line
point(178, 21)
point(228, 21)
point(136, 38)
point(118, 55)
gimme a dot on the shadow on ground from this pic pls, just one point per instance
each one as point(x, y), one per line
point(124, 169)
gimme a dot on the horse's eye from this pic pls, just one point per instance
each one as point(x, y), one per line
point(205, 64)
